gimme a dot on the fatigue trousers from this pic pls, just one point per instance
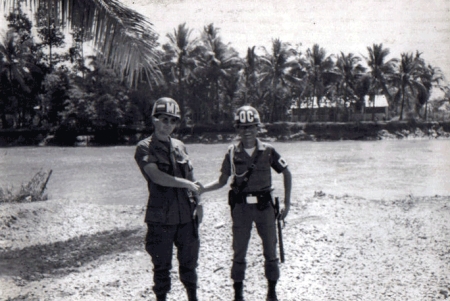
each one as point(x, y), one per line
point(244, 215)
point(159, 244)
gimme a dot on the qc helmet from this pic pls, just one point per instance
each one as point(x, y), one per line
point(168, 106)
point(246, 115)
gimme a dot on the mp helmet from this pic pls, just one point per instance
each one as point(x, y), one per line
point(246, 115)
point(166, 105)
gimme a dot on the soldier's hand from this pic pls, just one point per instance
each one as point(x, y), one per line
point(201, 187)
point(192, 186)
point(284, 210)
point(198, 213)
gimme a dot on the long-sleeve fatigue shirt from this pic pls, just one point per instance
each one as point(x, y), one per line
point(166, 205)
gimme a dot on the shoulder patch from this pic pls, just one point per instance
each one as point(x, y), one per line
point(282, 162)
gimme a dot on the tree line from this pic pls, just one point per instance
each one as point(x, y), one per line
point(42, 85)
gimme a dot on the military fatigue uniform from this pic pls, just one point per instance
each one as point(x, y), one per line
point(248, 212)
point(169, 214)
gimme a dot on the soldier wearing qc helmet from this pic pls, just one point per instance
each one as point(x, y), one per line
point(172, 204)
point(249, 164)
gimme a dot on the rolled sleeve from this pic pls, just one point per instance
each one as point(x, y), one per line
point(278, 163)
point(226, 167)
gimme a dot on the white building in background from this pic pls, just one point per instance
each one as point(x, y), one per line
point(380, 101)
point(377, 110)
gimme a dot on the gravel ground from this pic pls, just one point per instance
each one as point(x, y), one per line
point(337, 248)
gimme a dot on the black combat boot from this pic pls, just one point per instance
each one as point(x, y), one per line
point(191, 290)
point(192, 294)
point(271, 293)
point(161, 297)
point(238, 291)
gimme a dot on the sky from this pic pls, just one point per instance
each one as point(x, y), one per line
point(339, 25)
point(350, 26)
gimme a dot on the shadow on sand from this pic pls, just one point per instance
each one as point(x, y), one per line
point(64, 257)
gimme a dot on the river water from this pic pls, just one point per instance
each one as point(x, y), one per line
point(369, 169)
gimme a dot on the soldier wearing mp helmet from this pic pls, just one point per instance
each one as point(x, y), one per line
point(249, 164)
point(172, 206)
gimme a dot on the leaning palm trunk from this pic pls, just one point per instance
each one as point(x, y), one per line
point(122, 36)
point(403, 102)
point(373, 107)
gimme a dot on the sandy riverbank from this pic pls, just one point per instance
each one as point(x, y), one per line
point(337, 248)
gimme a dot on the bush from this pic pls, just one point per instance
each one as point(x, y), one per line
point(281, 128)
point(33, 191)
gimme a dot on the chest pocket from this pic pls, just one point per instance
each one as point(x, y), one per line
point(163, 163)
point(263, 163)
point(183, 162)
point(239, 166)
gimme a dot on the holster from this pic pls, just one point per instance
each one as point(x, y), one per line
point(198, 217)
point(264, 200)
point(197, 212)
point(235, 198)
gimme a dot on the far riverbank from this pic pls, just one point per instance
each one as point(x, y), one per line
point(280, 131)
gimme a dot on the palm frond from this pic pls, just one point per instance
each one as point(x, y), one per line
point(124, 37)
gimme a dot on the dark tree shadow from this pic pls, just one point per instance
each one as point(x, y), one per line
point(64, 257)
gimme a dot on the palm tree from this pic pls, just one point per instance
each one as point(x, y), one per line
point(179, 60)
point(320, 74)
point(232, 85)
point(76, 52)
point(15, 70)
point(350, 71)
point(49, 30)
point(278, 74)
point(220, 63)
point(124, 37)
point(408, 77)
point(431, 77)
point(381, 71)
point(250, 77)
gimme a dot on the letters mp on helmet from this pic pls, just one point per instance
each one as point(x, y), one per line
point(247, 115)
point(166, 106)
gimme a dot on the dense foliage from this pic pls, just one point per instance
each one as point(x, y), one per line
point(43, 84)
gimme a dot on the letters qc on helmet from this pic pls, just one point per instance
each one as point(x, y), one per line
point(166, 106)
point(247, 115)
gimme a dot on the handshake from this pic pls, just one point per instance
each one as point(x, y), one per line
point(196, 187)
